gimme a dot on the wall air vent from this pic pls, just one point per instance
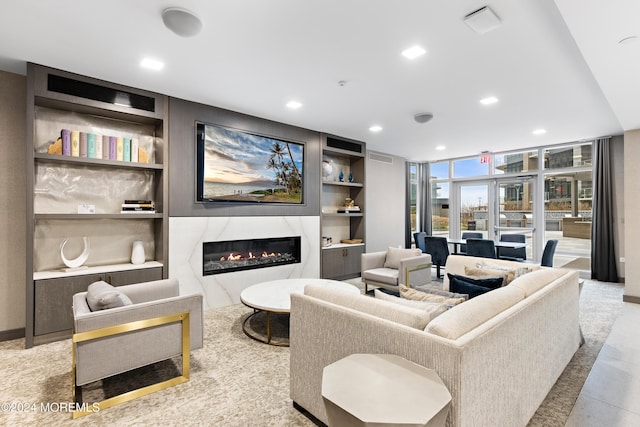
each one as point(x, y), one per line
point(100, 93)
point(380, 158)
point(344, 145)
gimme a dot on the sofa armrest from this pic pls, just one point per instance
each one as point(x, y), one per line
point(372, 260)
point(415, 270)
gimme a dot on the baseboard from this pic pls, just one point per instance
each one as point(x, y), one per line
point(631, 298)
point(12, 334)
point(309, 415)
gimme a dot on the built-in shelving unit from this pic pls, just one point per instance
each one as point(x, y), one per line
point(61, 184)
point(343, 176)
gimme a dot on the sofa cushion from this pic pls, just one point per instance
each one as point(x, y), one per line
point(416, 295)
point(384, 275)
point(537, 280)
point(465, 317)
point(493, 282)
point(437, 291)
point(101, 296)
point(433, 308)
point(409, 316)
point(479, 272)
point(459, 284)
point(394, 255)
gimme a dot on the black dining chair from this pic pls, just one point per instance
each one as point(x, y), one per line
point(481, 248)
point(438, 248)
point(513, 254)
point(418, 239)
point(548, 252)
point(468, 235)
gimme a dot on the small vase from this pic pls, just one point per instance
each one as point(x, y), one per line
point(137, 253)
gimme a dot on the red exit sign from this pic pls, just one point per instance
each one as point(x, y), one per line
point(485, 158)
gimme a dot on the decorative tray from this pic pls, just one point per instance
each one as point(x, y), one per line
point(351, 241)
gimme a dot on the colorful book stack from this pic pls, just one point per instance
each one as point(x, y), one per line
point(138, 206)
point(93, 146)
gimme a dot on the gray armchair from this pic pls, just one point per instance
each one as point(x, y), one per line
point(157, 325)
point(395, 266)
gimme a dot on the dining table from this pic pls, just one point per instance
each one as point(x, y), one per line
point(499, 244)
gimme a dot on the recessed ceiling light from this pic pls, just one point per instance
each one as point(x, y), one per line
point(294, 104)
point(152, 64)
point(489, 100)
point(539, 131)
point(440, 147)
point(375, 128)
point(414, 52)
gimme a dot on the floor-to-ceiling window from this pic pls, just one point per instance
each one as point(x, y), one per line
point(544, 193)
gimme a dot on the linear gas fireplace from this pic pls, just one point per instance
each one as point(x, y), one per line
point(235, 255)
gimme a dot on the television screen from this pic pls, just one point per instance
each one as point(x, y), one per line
point(237, 166)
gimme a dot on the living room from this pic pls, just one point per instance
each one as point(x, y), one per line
point(401, 139)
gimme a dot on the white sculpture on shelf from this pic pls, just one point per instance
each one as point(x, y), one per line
point(81, 259)
point(327, 169)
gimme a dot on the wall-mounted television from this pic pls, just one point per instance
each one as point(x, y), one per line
point(238, 166)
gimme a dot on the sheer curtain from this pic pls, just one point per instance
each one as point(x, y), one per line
point(603, 256)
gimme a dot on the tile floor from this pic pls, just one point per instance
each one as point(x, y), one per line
point(611, 394)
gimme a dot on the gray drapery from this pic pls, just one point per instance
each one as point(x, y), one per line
point(423, 219)
point(603, 256)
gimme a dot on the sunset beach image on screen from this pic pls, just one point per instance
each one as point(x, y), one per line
point(237, 166)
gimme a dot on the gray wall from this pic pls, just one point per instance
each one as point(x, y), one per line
point(182, 158)
point(386, 200)
point(13, 95)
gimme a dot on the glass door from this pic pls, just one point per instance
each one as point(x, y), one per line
point(514, 212)
point(496, 208)
point(474, 208)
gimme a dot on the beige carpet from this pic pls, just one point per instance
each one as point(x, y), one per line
point(236, 381)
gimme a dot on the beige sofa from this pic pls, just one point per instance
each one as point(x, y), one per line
point(499, 353)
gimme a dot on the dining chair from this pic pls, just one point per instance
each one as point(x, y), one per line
point(418, 239)
point(438, 248)
point(548, 252)
point(481, 248)
point(468, 235)
point(513, 254)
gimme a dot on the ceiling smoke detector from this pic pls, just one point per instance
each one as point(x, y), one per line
point(482, 20)
point(181, 21)
point(423, 117)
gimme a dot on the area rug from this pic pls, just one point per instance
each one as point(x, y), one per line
point(236, 381)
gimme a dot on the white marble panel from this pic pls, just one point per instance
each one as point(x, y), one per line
point(186, 235)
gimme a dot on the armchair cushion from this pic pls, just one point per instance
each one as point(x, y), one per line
point(102, 296)
point(383, 275)
point(394, 255)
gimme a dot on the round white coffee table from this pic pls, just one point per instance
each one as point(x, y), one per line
point(274, 297)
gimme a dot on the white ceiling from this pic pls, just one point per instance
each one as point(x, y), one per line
point(253, 56)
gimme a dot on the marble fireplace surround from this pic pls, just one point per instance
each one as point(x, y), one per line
point(187, 234)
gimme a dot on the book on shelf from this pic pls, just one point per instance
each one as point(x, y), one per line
point(105, 147)
point(83, 144)
point(98, 145)
point(65, 134)
point(134, 149)
point(75, 143)
point(112, 148)
point(126, 149)
point(119, 148)
point(350, 209)
point(91, 145)
point(138, 206)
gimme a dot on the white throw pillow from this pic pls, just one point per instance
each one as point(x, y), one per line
point(432, 308)
point(394, 255)
point(101, 296)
